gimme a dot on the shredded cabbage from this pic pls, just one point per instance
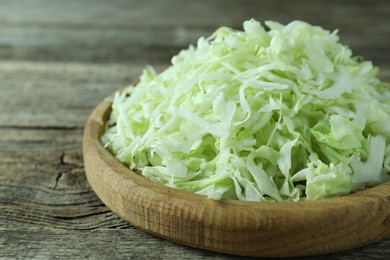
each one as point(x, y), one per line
point(283, 114)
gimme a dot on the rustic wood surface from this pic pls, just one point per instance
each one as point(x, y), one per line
point(58, 59)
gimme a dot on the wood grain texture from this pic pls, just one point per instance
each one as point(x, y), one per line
point(101, 31)
point(283, 229)
point(58, 59)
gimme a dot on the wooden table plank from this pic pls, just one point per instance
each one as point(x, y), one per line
point(54, 94)
point(99, 31)
point(129, 244)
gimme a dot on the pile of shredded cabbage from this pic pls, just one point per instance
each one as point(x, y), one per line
point(283, 114)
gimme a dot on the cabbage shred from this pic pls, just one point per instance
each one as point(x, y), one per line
point(283, 114)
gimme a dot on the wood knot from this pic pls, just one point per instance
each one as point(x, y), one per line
point(387, 221)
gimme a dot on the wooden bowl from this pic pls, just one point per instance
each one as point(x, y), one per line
point(266, 229)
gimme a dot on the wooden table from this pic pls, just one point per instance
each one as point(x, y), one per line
point(59, 58)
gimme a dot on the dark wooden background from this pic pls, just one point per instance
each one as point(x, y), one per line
point(59, 58)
